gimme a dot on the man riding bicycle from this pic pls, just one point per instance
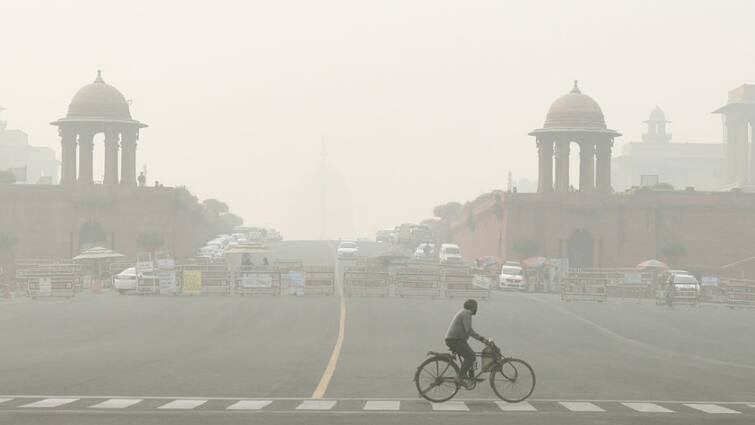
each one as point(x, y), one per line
point(456, 339)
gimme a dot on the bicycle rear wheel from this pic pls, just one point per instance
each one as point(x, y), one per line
point(513, 380)
point(436, 379)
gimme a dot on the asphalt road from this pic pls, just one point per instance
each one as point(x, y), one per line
point(186, 360)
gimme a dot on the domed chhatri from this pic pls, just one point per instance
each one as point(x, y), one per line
point(98, 108)
point(99, 99)
point(575, 110)
point(575, 117)
point(657, 115)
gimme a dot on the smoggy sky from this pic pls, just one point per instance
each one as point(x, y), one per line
point(418, 102)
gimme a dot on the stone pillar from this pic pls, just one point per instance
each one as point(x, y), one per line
point(111, 157)
point(603, 167)
point(545, 165)
point(68, 155)
point(562, 166)
point(586, 165)
point(128, 157)
point(730, 168)
point(743, 157)
point(86, 166)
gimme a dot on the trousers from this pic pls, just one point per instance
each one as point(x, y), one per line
point(462, 348)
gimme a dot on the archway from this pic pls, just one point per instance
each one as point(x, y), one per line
point(580, 249)
point(92, 234)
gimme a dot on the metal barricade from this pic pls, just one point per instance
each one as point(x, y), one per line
point(418, 282)
point(365, 282)
point(463, 283)
point(205, 279)
point(255, 281)
point(50, 280)
point(319, 280)
point(581, 287)
point(740, 293)
point(633, 292)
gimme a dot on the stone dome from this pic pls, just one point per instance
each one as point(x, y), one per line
point(575, 111)
point(99, 100)
point(657, 115)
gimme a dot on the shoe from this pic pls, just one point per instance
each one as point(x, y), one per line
point(464, 382)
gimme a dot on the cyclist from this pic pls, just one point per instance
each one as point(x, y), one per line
point(456, 339)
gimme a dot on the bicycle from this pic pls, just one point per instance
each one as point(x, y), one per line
point(512, 380)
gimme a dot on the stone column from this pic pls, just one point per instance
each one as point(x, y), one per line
point(562, 166)
point(730, 168)
point(587, 165)
point(128, 157)
point(545, 165)
point(743, 157)
point(68, 155)
point(86, 166)
point(603, 167)
point(111, 157)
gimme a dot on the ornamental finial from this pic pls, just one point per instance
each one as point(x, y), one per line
point(99, 77)
point(576, 88)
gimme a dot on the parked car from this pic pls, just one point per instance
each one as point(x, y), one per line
point(450, 253)
point(126, 280)
point(512, 279)
point(348, 249)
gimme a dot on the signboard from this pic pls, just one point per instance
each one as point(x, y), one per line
point(192, 282)
point(296, 283)
point(632, 278)
point(481, 281)
point(166, 275)
point(257, 280)
point(709, 281)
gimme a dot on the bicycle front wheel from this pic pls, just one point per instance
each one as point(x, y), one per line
point(436, 379)
point(513, 380)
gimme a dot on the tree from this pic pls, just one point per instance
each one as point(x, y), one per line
point(150, 242)
point(447, 212)
point(673, 251)
point(471, 220)
point(526, 247)
point(497, 207)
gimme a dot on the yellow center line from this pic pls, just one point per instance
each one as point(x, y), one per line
point(333, 362)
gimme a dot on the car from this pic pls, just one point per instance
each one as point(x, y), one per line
point(348, 249)
point(450, 254)
point(425, 251)
point(511, 278)
point(126, 280)
point(686, 289)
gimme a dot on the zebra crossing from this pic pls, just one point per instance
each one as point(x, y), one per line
point(373, 405)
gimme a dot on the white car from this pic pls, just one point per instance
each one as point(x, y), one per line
point(425, 251)
point(348, 250)
point(450, 253)
point(125, 281)
point(511, 278)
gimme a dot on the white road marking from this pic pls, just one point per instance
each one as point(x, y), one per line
point(580, 406)
point(522, 406)
point(382, 405)
point(116, 403)
point(711, 408)
point(316, 405)
point(249, 405)
point(3, 400)
point(451, 406)
point(51, 402)
point(647, 408)
point(187, 404)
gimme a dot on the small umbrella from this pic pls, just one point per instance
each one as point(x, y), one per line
point(652, 265)
point(533, 262)
point(97, 253)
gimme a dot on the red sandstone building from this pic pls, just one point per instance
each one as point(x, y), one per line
point(58, 221)
point(594, 227)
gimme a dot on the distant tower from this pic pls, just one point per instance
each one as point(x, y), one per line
point(739, 137)
point(656, 127)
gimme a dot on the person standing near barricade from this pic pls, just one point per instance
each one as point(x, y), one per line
point(669, 293)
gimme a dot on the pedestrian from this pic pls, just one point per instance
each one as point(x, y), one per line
point(670, 293)
point(246, 260)
point(142, 179)
point(265, 262)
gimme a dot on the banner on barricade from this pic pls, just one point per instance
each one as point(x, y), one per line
point(633, 278)
point(709, 281)
point(481, 281)
point(296, 283)
point(192, 282)
point(256, 280)
point(166, 276)
point(45, 286)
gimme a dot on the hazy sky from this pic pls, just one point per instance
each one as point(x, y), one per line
point(419, 102)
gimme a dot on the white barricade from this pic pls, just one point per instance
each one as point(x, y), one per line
point(740, 293)
point(250, 281)
point(365, 282)
point(418, 282)
point(319, 280)
point(50, 280)
point(205, 279)
point(463, 283)
point(583, 287)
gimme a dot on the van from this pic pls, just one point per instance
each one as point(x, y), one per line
point(450, 253)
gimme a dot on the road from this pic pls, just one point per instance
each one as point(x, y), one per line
point(111, 359)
